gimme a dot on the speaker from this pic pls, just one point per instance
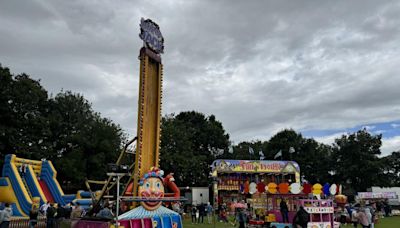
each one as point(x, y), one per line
point(112, 168)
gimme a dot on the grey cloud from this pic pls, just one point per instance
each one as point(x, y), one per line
point(259, 66)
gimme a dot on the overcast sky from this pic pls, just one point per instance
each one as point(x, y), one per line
point(323, 68)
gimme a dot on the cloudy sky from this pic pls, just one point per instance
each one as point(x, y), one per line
point(323, 68)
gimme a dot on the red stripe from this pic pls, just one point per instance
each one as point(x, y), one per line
point(46, 191)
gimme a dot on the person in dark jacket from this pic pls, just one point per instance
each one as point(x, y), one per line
point(202, 213)
point(193, 213)
point(301, 218)
point(50, 216)
point(33, 216)
point(284, 211)
point(241, 217)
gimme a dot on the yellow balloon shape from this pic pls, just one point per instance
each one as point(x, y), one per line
point(317, 189)
point(272, 187)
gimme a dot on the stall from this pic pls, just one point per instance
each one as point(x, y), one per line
point(256, 182)
point(321, 212)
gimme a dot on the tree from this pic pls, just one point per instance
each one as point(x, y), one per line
point(356, 160)
point(313, 158)
point(83, 142)
point(23, 107)
point(242, 151)
point(390, 174)
point(282, 141)
point(190, 142)
point(63, 129)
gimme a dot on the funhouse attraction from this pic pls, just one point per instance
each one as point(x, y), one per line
point(262, 186)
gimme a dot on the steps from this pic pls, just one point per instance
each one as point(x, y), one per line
point(26, 186)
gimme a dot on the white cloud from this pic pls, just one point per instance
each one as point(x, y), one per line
point(394, 125)
point(330, 139)
point(390, 145)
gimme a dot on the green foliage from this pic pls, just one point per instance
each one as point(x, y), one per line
point(190, 142)
point(356, 160)
point(63, 129)
point(313, 157)
point(23, 107)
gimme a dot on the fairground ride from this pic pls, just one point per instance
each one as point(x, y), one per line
point(149, 113)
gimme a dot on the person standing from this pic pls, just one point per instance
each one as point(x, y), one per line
point(33, 216)
point(363, 218)
point(369, 216)
point(44, 207)
point(284, 211)
point(77, 211)
point(194, 212)
point(354, 217)
point(106, 212)
point(209, 210)
point(202, 212)
point(50, 216)
point(241, 218)
point(301, 218)
point(7, 213)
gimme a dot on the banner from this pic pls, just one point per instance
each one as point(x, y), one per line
point(377, 195)
point(319, 210)
point(255, 166)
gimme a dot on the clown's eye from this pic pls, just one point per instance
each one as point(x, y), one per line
point(158, 185)
point(147, 185)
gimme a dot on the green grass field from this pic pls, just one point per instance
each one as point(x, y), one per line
point(391, 222)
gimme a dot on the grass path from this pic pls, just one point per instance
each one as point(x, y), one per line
point(391, 222)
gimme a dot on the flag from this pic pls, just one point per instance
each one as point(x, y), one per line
point(251, 151)
point(279, 154)
point(261, 155)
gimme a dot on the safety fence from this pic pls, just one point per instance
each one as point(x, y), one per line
point(64, 223)
point(24, 223)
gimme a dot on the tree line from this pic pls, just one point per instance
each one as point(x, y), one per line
point(66, 130)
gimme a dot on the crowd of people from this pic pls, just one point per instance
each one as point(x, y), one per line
point(364, 216)
point(198, 212)
point(53, 214)
point(239, 216)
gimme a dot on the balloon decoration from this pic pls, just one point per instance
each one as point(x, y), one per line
point(295, 188)
point(317, 189)
point(283, 188)
point(307, 188)
point(333, 189)
point(252, 188)
point(272, 188)
point(255, 185)
point(246, 187)
point(325, 189)
point(261, 187)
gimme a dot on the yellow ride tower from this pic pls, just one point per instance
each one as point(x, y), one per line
point(149, 105)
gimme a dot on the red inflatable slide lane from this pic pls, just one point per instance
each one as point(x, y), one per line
point(46, 191)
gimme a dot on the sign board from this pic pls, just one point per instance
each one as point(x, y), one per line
point(319, 225)
point(377, 195)
point(255, 166)
point(151, 35)
point(319, 210)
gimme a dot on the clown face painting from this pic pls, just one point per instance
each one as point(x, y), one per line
point(151, 188)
